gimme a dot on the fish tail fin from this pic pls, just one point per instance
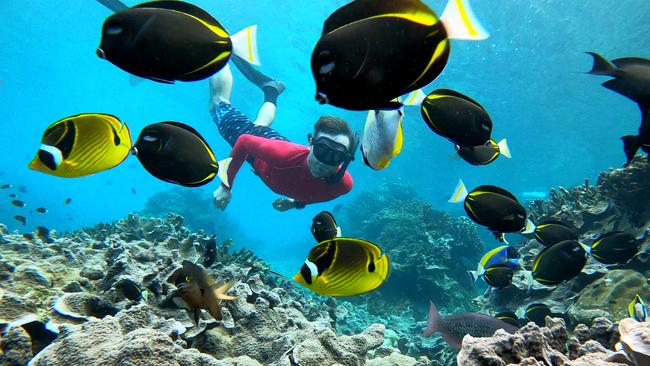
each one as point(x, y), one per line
point(601, 65)
point(338, 232)
point(223, 171)
point(414, 98)
point(631, 145)
point(586, 248)
point(433, 325)
point(461, 23)
point(530, 227)
point(504, 149)
point(520, 313)
point(244, 45)
point(529, 279)
point(473, 277)
point(221, 291)
point(460, 192)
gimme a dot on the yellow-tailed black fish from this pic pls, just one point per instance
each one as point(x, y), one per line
point(177, 153)
point(551, 232)
point(18, 203)
point(41, 210)
point(21, 219)
point(167, 41)
point(210, 252)
point(508, 317)
point(373, 51)
point(614, 248)
point(637, 309)
point(28, 236)
point(6, 186)
point(558, 263)
point(67, 201)
point(199, 290)
point(81, 145)
point(457, 117)
point(494, 208)
point(484, 154)
point(344, 267)
point(535, 313)
point(42, 232)
point(632, 80)
point(324, 227)
point(499, 276)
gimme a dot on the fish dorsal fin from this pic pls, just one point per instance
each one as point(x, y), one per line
point(364, 9)
point(454, 93)
point(181, 7)
point(555, 222)
point(631, 61)
point(495, 189)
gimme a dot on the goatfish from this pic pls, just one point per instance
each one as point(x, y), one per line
point(637, 309)
point(457, 117)
point(373, 51)
point(454, 327)
point(484, 154)
point(323, 227)
point(344, 267)
point(81, 145)
point(198, 290)
point(551, 232)
point(631, 78)
point(503, 255)
point(494, 208)
point(145, 40)
point(558, 263)
point(613, 248)
point(382, 134)
point(176, 153)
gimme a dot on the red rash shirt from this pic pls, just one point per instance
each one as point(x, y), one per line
point(282, 165)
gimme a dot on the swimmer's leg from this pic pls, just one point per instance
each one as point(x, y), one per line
point(220, 87)
point(271, 88)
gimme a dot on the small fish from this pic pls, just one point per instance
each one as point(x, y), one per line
point(41, 210)
point(551, 232)
point(67, 201)
point(22, 189)
point(176, 153)
point(133, 191)
point(82, 145)
point(457, 117)
point(558, 263)
point(28, 236)
point(372, 51)
point(535, 313)
point(18, 203)
point(21, 219)
point(503, 255)
point(494, 208)
point(292, 357)
point(6, 186)
point(198, 290)
point(344, 267)
point(12, 195)
point(324, 227)
point(637, 309)
point(382, 138)
point(484, 154)
point(509, 317)
point(631, 78)
point(138, 40)
point(129, 289)
point(499, 276)
point(210, 253)
point(42, 232)
point(613, 248)
point(454, 327)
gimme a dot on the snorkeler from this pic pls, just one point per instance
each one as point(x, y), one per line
point(305, 174)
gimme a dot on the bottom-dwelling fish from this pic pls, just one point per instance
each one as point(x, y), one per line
point(454, 327)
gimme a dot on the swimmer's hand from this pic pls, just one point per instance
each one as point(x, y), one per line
point(284, 204)
point(221, 197)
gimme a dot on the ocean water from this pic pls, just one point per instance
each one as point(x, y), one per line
point(562, 126)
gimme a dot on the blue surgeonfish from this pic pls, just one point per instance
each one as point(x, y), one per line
point(494, 208)
point(373, 51)
point(503, 255)
point(637, 309)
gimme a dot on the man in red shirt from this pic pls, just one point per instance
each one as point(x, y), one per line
point(304, 174)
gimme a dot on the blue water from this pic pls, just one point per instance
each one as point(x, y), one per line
point(562, 126)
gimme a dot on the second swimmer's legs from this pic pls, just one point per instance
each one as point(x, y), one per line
point(271, 88)
point(221, 87)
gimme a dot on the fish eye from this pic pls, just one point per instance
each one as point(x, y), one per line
point(188, 279)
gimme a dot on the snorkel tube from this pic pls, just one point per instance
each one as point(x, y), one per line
point(339, 174)
point(114, 5)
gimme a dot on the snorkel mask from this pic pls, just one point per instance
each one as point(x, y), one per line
point(330, 152)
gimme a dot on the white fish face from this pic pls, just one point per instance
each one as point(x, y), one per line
point(380, 137)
